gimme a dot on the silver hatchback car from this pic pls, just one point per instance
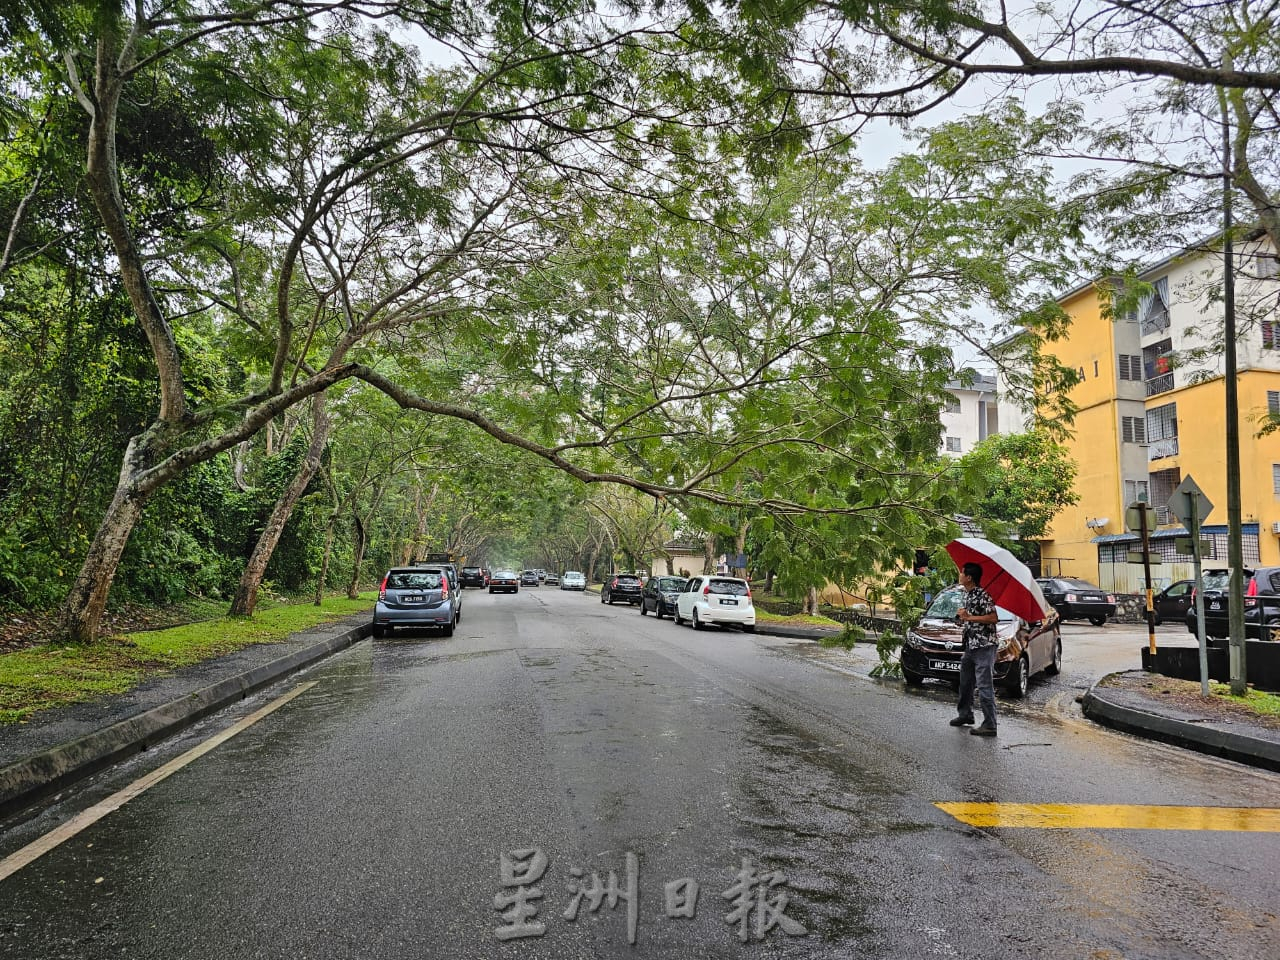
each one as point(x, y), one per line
point(417, 597)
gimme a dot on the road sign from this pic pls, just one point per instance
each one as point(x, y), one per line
point(1133, 517)
point(1180, 503)
point(1183, 547)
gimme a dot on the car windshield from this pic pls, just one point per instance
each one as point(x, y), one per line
point(732, 588)
point(1081, 585)
point(470, 569)
point(1217, 579)
point(946, 604)
point(628, 580)
point(671, 584)
point(418, 580)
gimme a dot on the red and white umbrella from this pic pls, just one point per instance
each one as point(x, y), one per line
point(1004, 576)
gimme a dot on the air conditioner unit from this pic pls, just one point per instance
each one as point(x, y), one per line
point(1275, 527)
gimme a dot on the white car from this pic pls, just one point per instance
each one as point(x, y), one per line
point(573, 580)
point(716, 600)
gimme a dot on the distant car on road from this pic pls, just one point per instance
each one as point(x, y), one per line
point(504, 581)
point(573, 580)
point(621, 586)
point(660, 594)
point(716, 600)
point(417, 596)
point(472, 576)
point(552, 580)
point(529, 578)
point(935, 646)
point(1078, 599)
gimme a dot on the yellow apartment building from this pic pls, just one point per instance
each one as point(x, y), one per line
point(1151, 413)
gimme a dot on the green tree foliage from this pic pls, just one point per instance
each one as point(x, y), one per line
point(1028, 478)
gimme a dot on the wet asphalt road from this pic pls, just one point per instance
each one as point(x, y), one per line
point(367, 818)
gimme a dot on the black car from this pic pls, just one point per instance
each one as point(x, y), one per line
point(528, 578)
point(504, 581)
point(1078, 599)
point(621, 586)
point(471, 576)
point(659, 595)
point(1261, 604)
point(1173, 601)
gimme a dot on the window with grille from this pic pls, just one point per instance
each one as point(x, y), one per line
point(953, 444)
point(1273, 401)
point(1133, 429)
point(1157, 359)
point(953, 405)
point(1275, 479)
point(1267, 265)
point(1163, 483)
point(1162, 422)
point(1268, 335)
point(1136, 491)
point(1130, 366)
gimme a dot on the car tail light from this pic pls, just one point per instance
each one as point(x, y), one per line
point(1193, 594)
point(1071, 598)
point(1111, 598)
point(1250, 602)
point(1253, 587)
point(614, 584)
point(382, 589)
point(706, 590)
point(748, 593)
point(444, 588)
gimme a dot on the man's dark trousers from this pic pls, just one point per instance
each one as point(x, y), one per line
point(976, 670)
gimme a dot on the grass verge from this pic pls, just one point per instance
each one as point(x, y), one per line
point(55, 675)
point(796, 620)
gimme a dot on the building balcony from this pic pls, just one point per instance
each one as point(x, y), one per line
point(1159, 449)
point(1154, 325)
point(1160, 384)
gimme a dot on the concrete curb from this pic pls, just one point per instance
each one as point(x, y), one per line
point(36, 775)
point(1220, 743)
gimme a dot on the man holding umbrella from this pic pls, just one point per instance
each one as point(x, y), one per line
point(977, 665)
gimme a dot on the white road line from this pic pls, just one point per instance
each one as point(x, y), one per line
point(87, 818)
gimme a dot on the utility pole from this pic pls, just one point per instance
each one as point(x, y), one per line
point(1235, 552)
point(1144, 514)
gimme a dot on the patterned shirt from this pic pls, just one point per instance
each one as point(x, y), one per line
point(979, 603)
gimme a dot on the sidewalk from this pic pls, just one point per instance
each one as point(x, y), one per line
point(62, 745)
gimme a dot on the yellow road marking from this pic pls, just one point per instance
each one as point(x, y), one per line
point(87, 818)
point(1114, 816)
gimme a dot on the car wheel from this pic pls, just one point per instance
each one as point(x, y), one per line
point(447, 631)
point(657, 611)
point(491, 589)
point(643, 611)
point(912, 679)
point(1019, 678)
point(1055, 668)
point(676, 618)
point(1097, 621)
point(748, 628)
point(379, 632)
point(697, 624)
point(1158, 619)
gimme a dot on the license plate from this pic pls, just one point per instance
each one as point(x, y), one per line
point(1215, 605)
point(414, 599)
point(728, 602)
point(952, 665)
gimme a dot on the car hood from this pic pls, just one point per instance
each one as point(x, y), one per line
point(944, 630)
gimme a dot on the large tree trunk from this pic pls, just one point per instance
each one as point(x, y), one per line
point(811, 602)
point(328, 554)
point(353, 588)
point(246, 597)
point(740, 546)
